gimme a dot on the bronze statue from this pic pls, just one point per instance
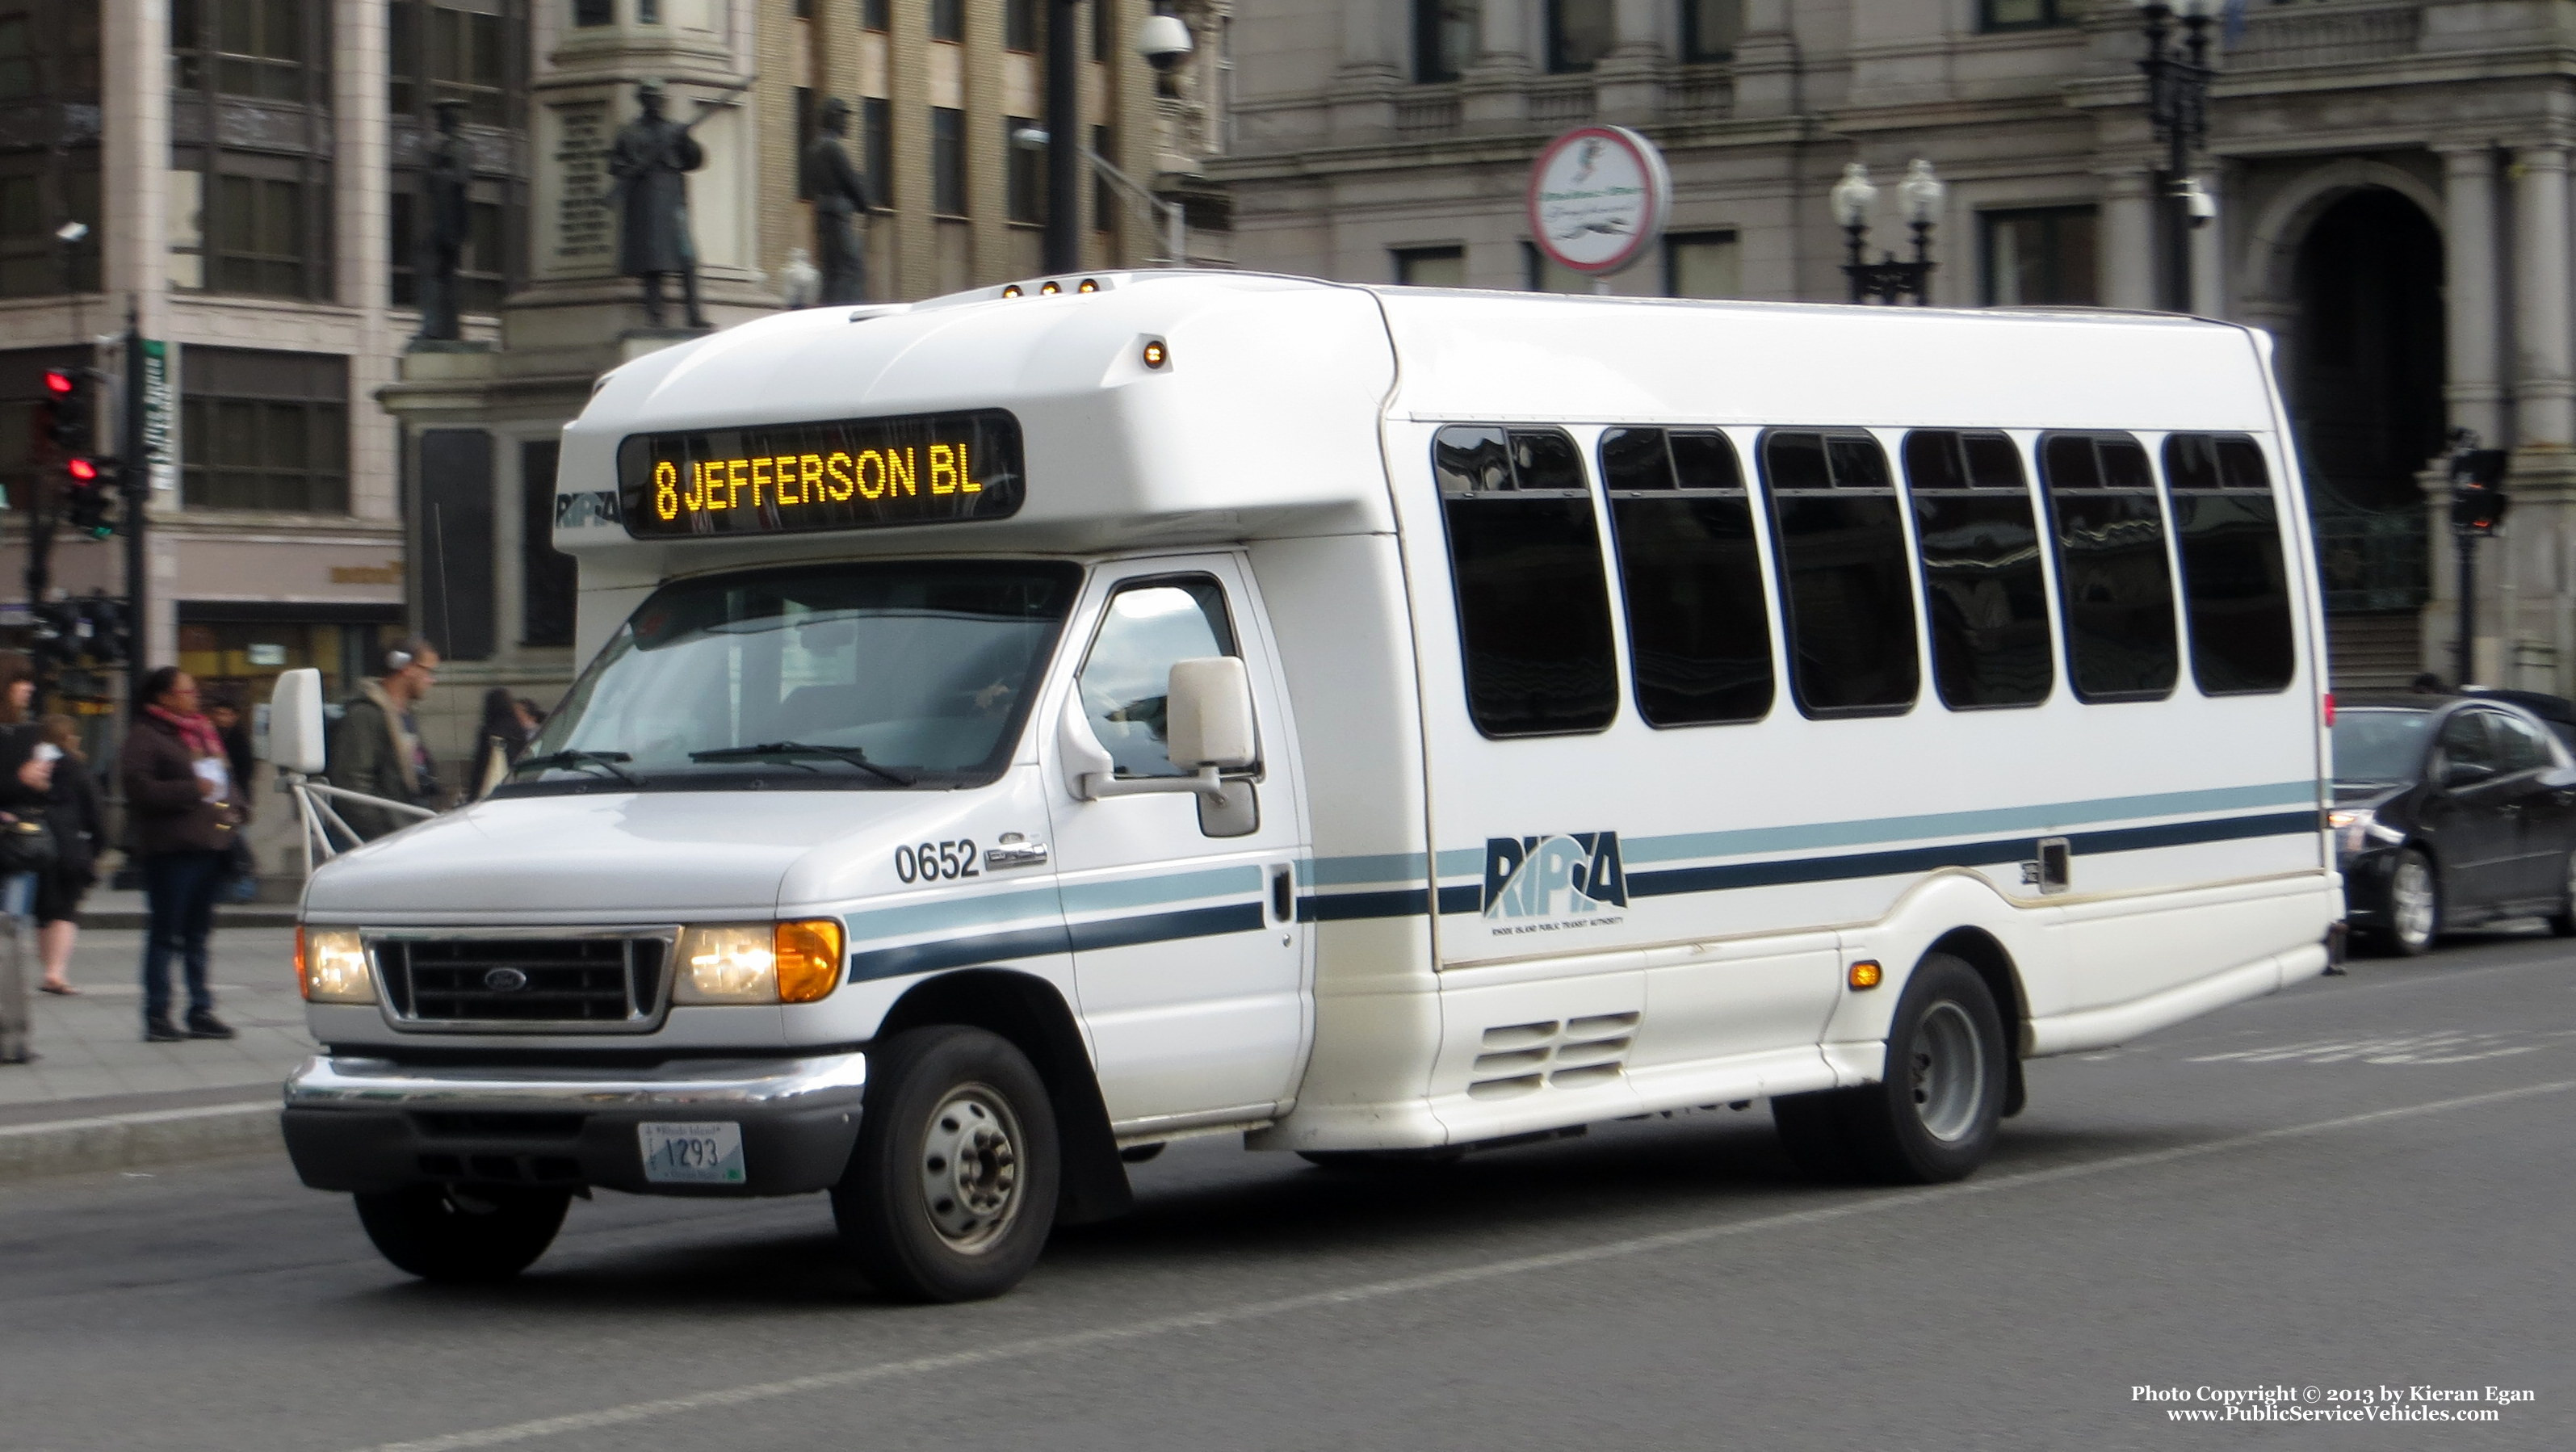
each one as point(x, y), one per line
point(446, 171)
point(650, 160)
point(838, 190)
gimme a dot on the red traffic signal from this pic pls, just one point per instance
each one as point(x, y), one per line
point(82, 470)
point(57, 381)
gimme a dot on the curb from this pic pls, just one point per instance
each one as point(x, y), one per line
point(129, 1141)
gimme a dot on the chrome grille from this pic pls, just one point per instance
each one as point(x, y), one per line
point(603, 983)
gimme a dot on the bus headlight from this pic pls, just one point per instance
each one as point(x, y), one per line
point(331, 966)
point(790, 962)
point(2356, 829)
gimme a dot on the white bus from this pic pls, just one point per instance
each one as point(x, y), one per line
point(1032, 726)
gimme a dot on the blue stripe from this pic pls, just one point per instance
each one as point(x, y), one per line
point(1206, 922)
point(2038, 821)
point(1408, 902)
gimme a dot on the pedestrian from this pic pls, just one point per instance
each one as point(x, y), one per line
point(508, 723)
point(26, 775)
point(185, 811)
point(375, 747)
point(223, 708)
point(73, 811)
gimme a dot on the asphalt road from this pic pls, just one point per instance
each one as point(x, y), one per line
point(2367, 1182)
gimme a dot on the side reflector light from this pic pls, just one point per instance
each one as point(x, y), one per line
point(1865, 974)
point(1156, 355)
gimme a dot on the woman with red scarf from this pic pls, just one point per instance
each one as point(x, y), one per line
point(184, 808)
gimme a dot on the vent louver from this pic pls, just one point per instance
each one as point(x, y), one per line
point(1578, 1053)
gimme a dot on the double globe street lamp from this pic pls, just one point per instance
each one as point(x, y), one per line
point(2178, 77)
point(1888, 280)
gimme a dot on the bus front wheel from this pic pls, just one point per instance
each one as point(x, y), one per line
point(951, 1188)
point(1932, 1117)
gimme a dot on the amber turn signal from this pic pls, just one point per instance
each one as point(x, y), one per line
point(809, 959)
point(1865, 974)
point(1156, 355)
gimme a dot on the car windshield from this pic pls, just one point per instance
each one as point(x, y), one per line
point(2379, 745)
point(862, 676)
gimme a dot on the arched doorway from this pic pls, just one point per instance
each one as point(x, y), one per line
point(2365, 394)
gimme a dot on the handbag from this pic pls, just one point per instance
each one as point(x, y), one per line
point(26, 846)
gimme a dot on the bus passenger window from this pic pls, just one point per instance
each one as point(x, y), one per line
point(1699, 633)
point(2115, 586)
point(1983, 594)
point(1848, 597)
point(1525, 560)
point(2235, 588)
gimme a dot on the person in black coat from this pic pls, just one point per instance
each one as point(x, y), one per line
point(26, 776)
point(78, 819)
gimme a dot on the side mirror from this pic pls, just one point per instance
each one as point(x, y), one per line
point(295, 739)
point(1208, 714)
point(2466, 773)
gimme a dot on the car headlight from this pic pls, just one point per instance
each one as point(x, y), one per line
point(2357, 828)
point(331, 966)
point(790, 962)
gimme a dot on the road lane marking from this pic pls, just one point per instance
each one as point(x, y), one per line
point(1037, 1346)
point(2443, 1046)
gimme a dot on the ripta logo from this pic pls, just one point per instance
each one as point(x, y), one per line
point(1540, 877)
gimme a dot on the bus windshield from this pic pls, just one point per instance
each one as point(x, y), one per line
point(2379, 745)
point(876, 676)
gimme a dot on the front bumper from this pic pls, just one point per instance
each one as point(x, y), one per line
point(2365, 886)
point(371, 1125)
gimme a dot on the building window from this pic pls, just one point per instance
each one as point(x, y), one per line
point(2024, 14)
point(258, 235)
point(1024, 25)
point(1431, 266)
point(1024, 174)
point(1104, 30)
point(1542, 273)
point(947, 161)
point(39, 192)
point(276, 51)
point(1701, 264)
point(1710, 29)
point(648, 12)
point(1444, 38)
point(876, 14)
point(546, 575)
point(262, 430)
point(1525, 560)
point(876, 143)
point(481, 277)
point(1579, 32)
point(594, 12)
point(2042, 256)
point(458, 51)
point(948, 19)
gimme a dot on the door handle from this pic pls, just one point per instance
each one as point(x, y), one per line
point(1015, 851)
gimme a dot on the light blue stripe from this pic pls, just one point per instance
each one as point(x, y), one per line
point(1876, 831)
point(945, 914)
point(1133, 892)
point(1469, 861)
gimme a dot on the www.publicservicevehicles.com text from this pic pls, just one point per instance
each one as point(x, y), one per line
point(2333, 1404)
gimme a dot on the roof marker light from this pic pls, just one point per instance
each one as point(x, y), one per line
point(1156, 355)
point(1088, 285)
point(1049, 287)
point(1012, 291)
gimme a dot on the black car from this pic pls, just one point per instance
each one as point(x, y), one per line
point(2449, 812)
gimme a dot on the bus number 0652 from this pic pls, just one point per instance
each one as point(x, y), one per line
point(937, 861)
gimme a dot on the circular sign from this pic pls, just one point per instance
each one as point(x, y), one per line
point(1598, 198)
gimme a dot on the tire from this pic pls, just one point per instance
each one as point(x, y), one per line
point(463, 1236)
point(1933, 1117)
point(2562, 923)
point(951, 1189)
point(2414, 906)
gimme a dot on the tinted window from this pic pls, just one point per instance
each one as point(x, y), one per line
point(1983, 593)
point(1848, 598)
point(2466, 741)
point(2113, 579)
point(2379, 745)
point(1698, 627)
point(1525, 557)
point(2519, 744)
point(2236, 590)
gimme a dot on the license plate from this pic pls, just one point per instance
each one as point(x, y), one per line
point(692, 1154)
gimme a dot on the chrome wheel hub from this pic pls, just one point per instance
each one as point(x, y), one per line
point(970, 1168)
point(2410, 901)
point(1949, 1074)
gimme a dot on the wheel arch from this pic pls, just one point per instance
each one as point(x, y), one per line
point(1033, 1016)
point(1981, 951)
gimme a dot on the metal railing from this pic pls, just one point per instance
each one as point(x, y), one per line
point(2373, 560)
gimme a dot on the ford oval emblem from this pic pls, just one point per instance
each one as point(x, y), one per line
point(505, 980)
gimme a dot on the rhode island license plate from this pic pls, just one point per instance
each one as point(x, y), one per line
point(692, 1154)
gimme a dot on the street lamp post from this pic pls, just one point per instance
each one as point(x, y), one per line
point(1163, 40)
point(1888, 280)
point(1168, 215)
point(2178, 76)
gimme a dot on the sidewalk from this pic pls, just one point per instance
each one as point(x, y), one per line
point(101, 1098)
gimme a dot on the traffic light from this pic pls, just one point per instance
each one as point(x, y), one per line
point(71, 410)
point(109, 640)
point(54, 636)
point(2477, 490)
point(89, 499)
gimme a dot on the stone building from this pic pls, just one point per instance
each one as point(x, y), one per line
point(2391, 177)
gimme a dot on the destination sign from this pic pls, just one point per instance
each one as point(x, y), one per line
point(932, 468)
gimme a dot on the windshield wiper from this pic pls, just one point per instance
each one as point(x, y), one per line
point(783, 750)
point(605, 760)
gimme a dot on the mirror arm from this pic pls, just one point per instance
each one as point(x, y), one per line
point(1207, 783)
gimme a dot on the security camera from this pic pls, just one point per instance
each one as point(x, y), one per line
point(1163, 41)
point(2197, 203)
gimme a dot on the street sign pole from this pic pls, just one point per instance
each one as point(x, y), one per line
point(134, 482)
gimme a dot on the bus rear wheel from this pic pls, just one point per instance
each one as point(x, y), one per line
point(1932, 1117)
point(951, 1189)
point(463, 1234)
